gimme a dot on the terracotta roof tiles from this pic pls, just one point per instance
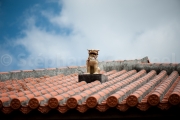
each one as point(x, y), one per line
point(134, 98)
point(123, 90)
point(174, 97)
point(159, 92)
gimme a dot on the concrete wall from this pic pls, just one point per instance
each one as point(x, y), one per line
point(168, 67)
point(40, 72)
point(137, 64)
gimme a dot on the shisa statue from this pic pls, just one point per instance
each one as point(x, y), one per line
point(92, 62)
point(93, 71)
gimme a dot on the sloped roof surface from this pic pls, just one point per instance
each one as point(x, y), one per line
point(125, 89)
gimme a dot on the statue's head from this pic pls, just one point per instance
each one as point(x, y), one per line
point(93, 53)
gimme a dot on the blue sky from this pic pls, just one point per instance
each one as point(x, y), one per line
point(55, 33)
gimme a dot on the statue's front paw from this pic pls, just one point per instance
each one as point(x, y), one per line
point(96, 73)
point(86, 73)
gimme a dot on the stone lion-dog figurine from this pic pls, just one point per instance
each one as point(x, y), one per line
point(92, 62)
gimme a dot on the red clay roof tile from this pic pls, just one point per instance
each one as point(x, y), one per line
point(158, 95)
point(164, 104)
point(4, 72)
point(174, 97)
point(123, 90)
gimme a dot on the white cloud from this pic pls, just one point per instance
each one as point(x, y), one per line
point(161, 44)
point(121, 29)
